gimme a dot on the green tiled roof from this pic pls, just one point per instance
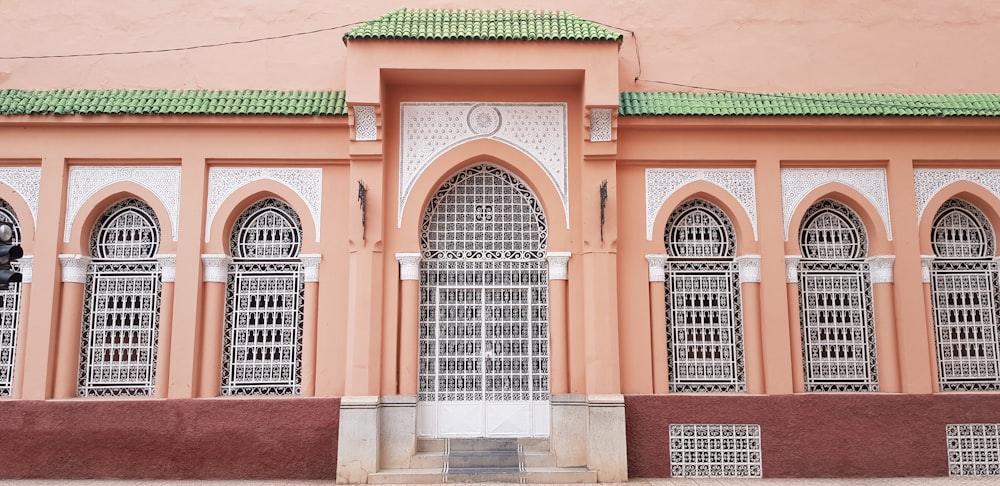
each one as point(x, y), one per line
point(520, 25)
point(167, 102)
point(633, 103)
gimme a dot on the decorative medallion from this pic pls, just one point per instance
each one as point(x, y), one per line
point(307, 183)
point(430, 129)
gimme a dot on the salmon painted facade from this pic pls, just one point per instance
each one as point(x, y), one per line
point(490, 234)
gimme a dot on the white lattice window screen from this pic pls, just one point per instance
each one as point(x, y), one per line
point(10, 309)
point(483, 291)
point(262, 352)
point(122, 304)
point(704, 325)
point(964, 291)
point(835, 301)
point(973, 449)
point(715, 451)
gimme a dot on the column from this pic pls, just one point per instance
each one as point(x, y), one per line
point(409, 321)
point(310, 317)
point(794, 324)
point(658, 321)
point(22, 320)
point(215, 274)
point(926, 264)
point(880, 268)
point(74, 278)
point(753, 353)
point(168, 274)
point(558, 331)
point(775, 316)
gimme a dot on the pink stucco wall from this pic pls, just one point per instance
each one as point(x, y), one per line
point(919, 46)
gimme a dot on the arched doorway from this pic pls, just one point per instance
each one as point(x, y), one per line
point(484, 340)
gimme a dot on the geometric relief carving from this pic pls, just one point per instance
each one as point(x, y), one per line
point(928, 182)
point(871, 183)
point(429, 129)
point(163, 181)
point(662, 183)
point(365, 123)
point(26, 182)
point(224, 181)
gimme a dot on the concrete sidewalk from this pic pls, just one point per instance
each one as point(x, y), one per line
point(978, 481)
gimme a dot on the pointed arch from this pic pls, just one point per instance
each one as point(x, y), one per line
point(743, 227)
point(873, 226)
point(23, 214)
point(982, 198)
point(92, 209)
point(217, 241)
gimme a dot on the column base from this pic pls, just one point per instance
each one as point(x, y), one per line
point(357, 444)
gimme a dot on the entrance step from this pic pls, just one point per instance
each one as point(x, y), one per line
point(503, 460)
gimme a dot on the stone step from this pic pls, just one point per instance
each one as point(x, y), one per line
point(537, 475)
point(483, 459)
point(484, 444)
point(427, 460)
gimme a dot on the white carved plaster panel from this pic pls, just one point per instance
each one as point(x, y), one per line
point(792, 268)
point(880, 268)
point(365, 126)
point(307, 183)
point(926, 262)
point(749, 268)
point(657, 267)
point(26, 182)
point(558, 265)
point(871, 183)
point(74, 268)
point(84, 181)
point(409, 266)
point(310, 266)
point(429, 129)
point(600, 125)
point(26, 265)
point(168, 267)
point(215, 267)
point(662, 183)
point(928, 182)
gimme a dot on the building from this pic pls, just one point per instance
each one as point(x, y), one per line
point(490, 229)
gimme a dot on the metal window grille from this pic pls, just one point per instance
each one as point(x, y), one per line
point(483, 291)
point(835, 301)
point(122, 304)
point(10, 309)
point(973, 449)
point(264, 309)
point(715, 451)
point(704, 322)
point(964, 290)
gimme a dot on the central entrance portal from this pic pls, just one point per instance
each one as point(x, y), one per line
point(484, 340)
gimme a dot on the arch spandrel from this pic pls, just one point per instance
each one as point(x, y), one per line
point(662, 185)
point(798, 185)
point(971, 192)
point(723, 199)
point(24, 215)
point(162, 183)
point(878, 241)
point(92, 209)
point(229, 211)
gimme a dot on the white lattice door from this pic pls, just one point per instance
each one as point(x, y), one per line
point(483, 310)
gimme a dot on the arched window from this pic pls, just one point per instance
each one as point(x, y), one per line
point(964, 298)
point(704, 324)
point(835, 301)
point(484, 342)
point(122, 303)
point(262, 352)
point(10, 311)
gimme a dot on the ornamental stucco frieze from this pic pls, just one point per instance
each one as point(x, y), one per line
point(662, 183)
point(430, 129)
point(26, 182)
point(871, 183)
point(928, 182)
point(307, 183)
point(85, 181)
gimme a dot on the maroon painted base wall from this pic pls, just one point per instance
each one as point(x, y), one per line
point(168, 439)
point(835, 435)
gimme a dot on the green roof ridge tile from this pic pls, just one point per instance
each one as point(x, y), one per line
point(462, 24)
point(169, 102)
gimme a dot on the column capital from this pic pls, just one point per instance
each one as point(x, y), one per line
point(925, 268)
point(558, 264)
point(792, 268)
point(168, 267)
point(657, 262)
point(215, 267)
point(880, 268)
point(310, 266)
point(748, 267)
point(74, 268)
point(409, 266)
point(25, 266)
